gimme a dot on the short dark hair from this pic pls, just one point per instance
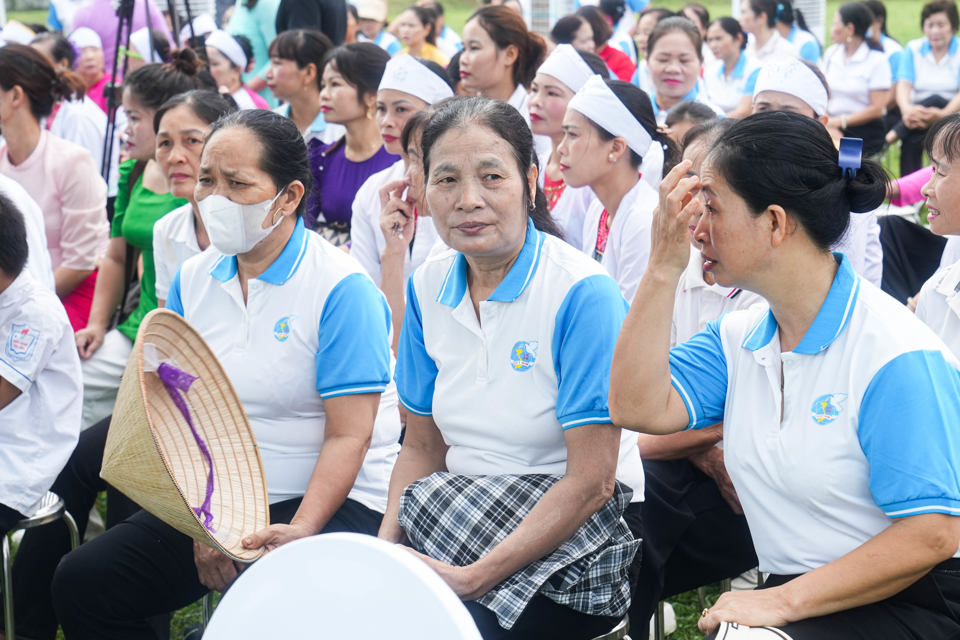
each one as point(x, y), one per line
point(879, 12)
point(361, 64)
point(702, 13)
point(601, 29)
point(283, 154)
point(860, 16)
point(614, 9)
point(506, 27)
point(566, 28)
point(154, 84)
point(732, 26)
point(676, 23)
point(507, 123)
point(208, 105)
point(62, 49)
point(304, 47)
point(944, 135)
point(13, 238)
point(428, 18)
point(638, 104)
point(940, 6)
point(786, 159)
point(595, 62)
point(708, 131)
point(691, 111)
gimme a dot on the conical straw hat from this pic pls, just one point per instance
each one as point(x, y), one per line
point(153, 457)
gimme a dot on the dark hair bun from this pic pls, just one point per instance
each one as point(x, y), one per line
point(868, 188)
point(186, 61)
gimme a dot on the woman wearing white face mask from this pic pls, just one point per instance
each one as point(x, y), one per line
point(317, 329)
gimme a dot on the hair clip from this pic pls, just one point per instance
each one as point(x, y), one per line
point(849, 157)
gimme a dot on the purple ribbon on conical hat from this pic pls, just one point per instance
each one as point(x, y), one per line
point(177, 382)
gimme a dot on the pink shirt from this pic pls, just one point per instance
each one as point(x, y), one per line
point(95, 91)
point(63, 180)
point(910, 186)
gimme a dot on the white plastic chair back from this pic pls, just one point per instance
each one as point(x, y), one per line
point(340, 585)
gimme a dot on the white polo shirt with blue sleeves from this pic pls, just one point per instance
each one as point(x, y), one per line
point(314, 326)
point(503, 390)
point(870, 407)
point(727, 91)
point(928, 76)
point(806, 44)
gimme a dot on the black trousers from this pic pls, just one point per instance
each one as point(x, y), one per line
point(911, 149)
point(926, 610)
point(108, 587)
point(544, 619)
point(691, 536)
point(40, 551)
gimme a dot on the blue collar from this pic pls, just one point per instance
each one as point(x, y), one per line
point(926, 49)
point(692, 96)
point(738, 68)
point(318, 124)
point(521, 273)
point(830, 321)
point(281, 270)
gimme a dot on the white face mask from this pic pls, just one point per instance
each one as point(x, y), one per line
point(236, 228)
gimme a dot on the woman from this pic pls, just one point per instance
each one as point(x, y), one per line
point(675, 61)
point(936, 302)
point(878, 33)
point(859, 77)
point(561, 75)
point(927, 81)
point(839, 407)
point(312, 400)
point(90, 64)
point(793, 28)
point(407, 88)
point(616, 60)
point(575, 31)
point(146, 47)
point(759, 18)
point(58, 174)
point(181, 125)
point(143, 197)
point(729, 81)
point(611, 144)
point(296, 64)
point(507, 280)
point(257, 20)
point(349, 96)
point(229, 60)
point(417, 29)
point(649, 18)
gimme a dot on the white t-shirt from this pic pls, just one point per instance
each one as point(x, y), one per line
point(84, 123)
point(938, 305)
point(727, 91)
point(927, 75)
point(174, 242)
point(775, 48)
point(570, 211)
point(38, 258)
point(314, 326)
point(861, 244)
point(828, 443)
point(851, 80)
point(39, 429)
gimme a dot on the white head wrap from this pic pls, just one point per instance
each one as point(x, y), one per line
point(85, 37)
point(793, 77)
point(17, 32)
point(228, 46)
point(596, 101)
point(140, 40)
point(202, 25)
point(566, 65)
point(404, 73)
point(371, 10)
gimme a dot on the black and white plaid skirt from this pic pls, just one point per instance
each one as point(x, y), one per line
point(458, 519)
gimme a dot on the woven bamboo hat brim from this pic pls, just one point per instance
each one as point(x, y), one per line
point(151, 453)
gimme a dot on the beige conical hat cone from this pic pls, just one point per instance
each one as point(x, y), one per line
point(152, 456)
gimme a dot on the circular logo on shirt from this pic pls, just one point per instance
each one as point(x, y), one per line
point(827, 407)
point(523, 355)
point(281, 330)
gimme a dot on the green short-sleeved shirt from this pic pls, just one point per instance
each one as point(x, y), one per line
point(135, 212)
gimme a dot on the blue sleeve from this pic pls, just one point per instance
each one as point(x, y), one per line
point(636, 76)
point(53, 20)
point(174, 303)
point(416, 373)
point(894, 60)
point(698, 371)
point(394, 47)
point(751, 83)
point(353, 355)
point(906, 70)
point(810, 52)
point(584, 335)
point(908, 429)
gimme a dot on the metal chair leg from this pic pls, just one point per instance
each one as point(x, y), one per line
point(7, 590)
point(72, 528)
point(659, 627)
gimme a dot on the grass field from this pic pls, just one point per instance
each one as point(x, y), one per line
point(903, 23)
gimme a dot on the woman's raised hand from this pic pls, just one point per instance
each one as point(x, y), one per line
point(397, 215)
point(679, 208)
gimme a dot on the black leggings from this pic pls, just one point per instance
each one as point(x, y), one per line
point(911, 149)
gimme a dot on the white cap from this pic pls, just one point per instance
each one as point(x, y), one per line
point(228, 46)
point(85, 37)
point(202, 25)
point(140, 40)
point(793, 77)
point(567, 66)
point(599, 103)
point(404, 73)
point(371, 10)
point(17, 33)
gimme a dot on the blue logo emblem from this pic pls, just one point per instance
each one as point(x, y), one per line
point(281, 330)
point(827, 407)
point(523, 355)
point(22, 341)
